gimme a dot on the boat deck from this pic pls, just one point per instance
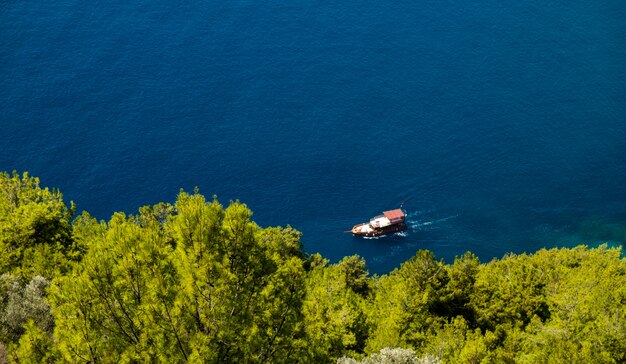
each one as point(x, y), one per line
point(364, 228)
point(389, 222)
point(380, 221)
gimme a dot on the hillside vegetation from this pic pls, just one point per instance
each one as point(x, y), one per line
point(197, 282)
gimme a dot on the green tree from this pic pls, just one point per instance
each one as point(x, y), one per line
point(245, 285)
point(334, 308)
point(35, 346)
point(35, 233)
point(460, 288)
point(405, 303)
point(197, 284)
point(587, 301)
point(510, 292)
point(194, 282)
point(98, 307)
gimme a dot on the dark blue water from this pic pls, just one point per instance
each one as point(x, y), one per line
point(501, 124)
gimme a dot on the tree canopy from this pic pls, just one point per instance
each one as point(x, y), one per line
point(35, 231)
point(198, 282)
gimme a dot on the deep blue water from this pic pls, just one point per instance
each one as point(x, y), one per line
point(501, 124)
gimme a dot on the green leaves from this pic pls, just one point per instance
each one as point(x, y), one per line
point(510, 291)
point(405, 302)
point(35, 346)
point(35, 233)
point(561, 305)
point(587, 302)
point(98, 308)
point(335, 308)
point(196, 282)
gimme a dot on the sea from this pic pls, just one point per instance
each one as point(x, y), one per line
point(498, 125)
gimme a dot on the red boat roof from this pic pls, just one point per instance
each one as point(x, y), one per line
point(394, 214)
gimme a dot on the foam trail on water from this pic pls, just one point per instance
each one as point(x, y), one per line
point(415, 225)
point(374, 237)
point(447, 218)
point(417, 213)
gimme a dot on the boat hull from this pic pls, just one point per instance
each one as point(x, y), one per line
point(378, 231)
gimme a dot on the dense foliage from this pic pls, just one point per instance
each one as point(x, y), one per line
point(197, 282)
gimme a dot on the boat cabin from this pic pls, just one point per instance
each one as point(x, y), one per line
point(394, 216)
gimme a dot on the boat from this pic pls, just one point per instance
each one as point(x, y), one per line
point(389, 222)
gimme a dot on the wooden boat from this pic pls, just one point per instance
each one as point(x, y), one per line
point(389, 222)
